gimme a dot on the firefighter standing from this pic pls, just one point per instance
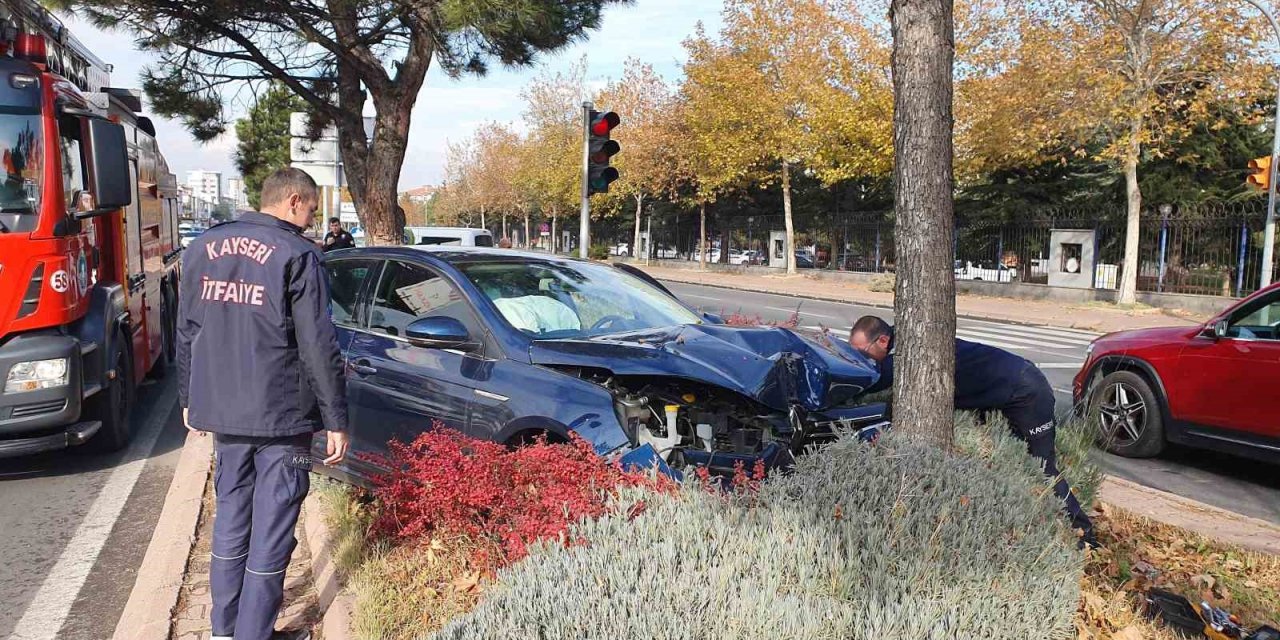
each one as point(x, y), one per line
point(259, 367)
point(990, 379)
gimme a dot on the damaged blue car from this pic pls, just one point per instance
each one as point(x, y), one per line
point(510, 346)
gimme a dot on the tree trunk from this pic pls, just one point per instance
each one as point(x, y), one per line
point(786, 214)
point(702, 238)
point(372, 168)
point(554, 215)
point(635, 245)
point(484, 224)
point(504, 227)
point(526, 231)
point(924, 299)
point(1129, 274)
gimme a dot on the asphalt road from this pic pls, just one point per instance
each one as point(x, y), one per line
point(1240, 485)
point(74, 526)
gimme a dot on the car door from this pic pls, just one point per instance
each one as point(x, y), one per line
point(1236, 373)
point(396, 390)
point(349, 280)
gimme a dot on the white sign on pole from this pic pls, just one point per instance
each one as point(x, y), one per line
point(320, 158)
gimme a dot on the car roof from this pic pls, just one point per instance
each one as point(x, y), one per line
point(455, 254)
point(453, 230)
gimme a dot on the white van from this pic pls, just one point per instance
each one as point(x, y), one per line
point(448, 236)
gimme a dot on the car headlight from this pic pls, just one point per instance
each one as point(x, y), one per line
point(36, 374)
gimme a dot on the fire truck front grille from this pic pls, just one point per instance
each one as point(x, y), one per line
point(37, 408)
point(31, 299)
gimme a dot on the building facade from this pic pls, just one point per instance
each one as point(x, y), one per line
point(236, 191)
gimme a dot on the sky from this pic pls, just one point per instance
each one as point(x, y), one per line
point(447, 110)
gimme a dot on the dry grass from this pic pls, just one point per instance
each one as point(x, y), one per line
point(1135, 309)
point(882, 283)
point(411, 591)
point(1139, 553)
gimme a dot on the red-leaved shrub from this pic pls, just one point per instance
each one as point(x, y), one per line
point(447, 483)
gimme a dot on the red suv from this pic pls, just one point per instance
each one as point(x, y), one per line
point(1207, 386)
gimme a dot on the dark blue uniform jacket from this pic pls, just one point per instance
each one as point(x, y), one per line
point(257, 351)
point(985, 375)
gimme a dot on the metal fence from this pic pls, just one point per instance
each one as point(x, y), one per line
point(1207, 249)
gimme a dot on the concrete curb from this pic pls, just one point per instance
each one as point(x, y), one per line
point(337, 606)
point(150, 607)
point(1206, 520)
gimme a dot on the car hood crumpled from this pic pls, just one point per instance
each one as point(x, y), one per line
point(776, 367)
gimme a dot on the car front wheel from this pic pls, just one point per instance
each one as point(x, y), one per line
point(1127, 415)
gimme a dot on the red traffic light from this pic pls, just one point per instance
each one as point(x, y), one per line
point(604, 123)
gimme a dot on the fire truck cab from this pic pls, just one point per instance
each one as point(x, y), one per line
point(89, 250)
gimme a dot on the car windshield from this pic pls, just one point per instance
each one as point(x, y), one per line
point(552, 300)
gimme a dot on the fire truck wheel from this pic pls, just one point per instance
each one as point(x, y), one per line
point(112, 405)
point(168, 351)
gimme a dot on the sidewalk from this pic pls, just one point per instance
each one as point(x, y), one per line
point(191, 616)
point(1093, 317)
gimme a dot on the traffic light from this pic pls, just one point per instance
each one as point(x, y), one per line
point(599, 149)
point(1260, 173)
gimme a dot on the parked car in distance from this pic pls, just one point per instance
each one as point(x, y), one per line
point(507, 346)
point(1207, 386)
point(620, 249)
point(985, 272)
point(805, 260)
point(448, 236)
point(744, 257)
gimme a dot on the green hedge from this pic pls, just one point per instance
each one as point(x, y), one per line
point(897, 541)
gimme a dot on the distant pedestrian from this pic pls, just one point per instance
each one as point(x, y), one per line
point(337, 238)
point(259, 367)
point(504, 243)
point(990, 379)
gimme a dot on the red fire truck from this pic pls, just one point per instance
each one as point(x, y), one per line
point(88, 242)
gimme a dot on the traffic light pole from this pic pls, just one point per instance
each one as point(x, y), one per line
point(1269, 234)
point(584, 222)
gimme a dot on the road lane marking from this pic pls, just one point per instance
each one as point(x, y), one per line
point(1008, 330)
point(1029, 341)
point(691, 295)
point(48, 611)
point(1059, 365)
point(994, 343)
point(802, 312)
point(1052, 330)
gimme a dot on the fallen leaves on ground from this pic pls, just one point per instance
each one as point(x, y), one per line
point(1138, 554)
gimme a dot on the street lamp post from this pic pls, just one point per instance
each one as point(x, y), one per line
point(1269, 235)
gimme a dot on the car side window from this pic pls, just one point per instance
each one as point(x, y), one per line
point(407, 292)
point(1259, 323)
point(345, 280)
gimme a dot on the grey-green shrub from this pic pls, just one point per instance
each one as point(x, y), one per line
point(897, 541)
point(882, 283)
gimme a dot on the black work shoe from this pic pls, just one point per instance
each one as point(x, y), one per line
point(295, 634)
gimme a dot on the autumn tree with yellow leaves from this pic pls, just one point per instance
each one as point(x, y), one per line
point(786, 85)
point(646, 105)
point(1126, 77)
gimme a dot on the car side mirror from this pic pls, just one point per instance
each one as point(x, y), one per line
point(1220, 329)
point(439, 332)
point(109, 181)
